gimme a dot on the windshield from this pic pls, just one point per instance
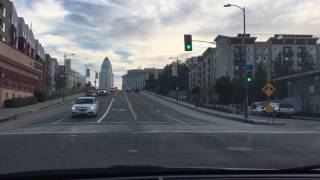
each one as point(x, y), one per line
point(84, 101)
point(230, 84)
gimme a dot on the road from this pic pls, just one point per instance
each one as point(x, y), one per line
point(135, 129)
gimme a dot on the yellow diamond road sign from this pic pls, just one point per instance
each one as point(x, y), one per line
point(268, 89)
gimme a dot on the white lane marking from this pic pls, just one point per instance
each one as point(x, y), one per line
point(106, 113)
point(172, 118)
point(60, 120)
point(134, 114)
point(158, 110)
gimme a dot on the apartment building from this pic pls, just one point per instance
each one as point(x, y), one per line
point(202, 75)
point(298, 53)
point(230, 54)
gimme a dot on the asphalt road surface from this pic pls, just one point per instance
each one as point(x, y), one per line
point(135, 129)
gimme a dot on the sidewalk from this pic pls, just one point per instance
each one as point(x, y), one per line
point(235, 117)
point(7, 114)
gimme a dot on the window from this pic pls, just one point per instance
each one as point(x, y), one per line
point(265, 50)
point(264, 59)
point(258, 50)
point(4, 12)
point(6, 95)
point(13, 95)
point(258, 59)
point(3, 28)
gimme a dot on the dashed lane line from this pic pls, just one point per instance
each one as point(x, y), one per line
point(107, 111)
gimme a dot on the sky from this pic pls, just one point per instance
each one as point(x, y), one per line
point(148, 33)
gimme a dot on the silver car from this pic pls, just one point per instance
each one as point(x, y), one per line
point(85, 106)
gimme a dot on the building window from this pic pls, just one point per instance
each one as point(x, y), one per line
point(258, 59)
point(6, 95)
point(13, 95)
point(258, 50)
point(265, 50)
point(3, 28)
point(264, 59)
point(4, 12)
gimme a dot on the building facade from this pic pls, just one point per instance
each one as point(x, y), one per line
point(106, 75)
point(19, 75)
point(136, 78)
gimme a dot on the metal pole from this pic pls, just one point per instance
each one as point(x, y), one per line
point(177, 88)
point(245, 59)
point(64, 76)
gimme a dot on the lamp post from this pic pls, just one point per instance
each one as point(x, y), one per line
point(65, 55)
point(177, 85)
point(243, 9)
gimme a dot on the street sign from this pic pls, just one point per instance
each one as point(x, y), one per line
point(246, 67)
point(268, 89)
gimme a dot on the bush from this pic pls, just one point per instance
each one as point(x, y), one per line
point(18, 102)
point(40, 95)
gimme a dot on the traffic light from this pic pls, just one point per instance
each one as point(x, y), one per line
point(188, 42)
point(249, 77)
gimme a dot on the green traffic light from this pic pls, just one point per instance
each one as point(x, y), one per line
point(188, 46)
point(249, 79)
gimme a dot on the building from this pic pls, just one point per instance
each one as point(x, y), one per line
point(50, 71)
point(106, 75)
point(202, 75)
point(136, 78)
point(20, 74)
point(292, 54)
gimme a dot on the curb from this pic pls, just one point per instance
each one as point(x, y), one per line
point(12, 117)
point(220, 115)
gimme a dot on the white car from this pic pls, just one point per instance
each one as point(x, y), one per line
point(259, 110)
point(85, 106)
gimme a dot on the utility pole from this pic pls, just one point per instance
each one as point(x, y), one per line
point(243, 9)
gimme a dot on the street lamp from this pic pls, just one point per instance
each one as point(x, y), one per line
point(243, 9)
point(65, 55)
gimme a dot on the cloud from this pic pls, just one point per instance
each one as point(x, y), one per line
point(134, 33)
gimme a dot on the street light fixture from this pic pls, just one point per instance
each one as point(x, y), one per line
point(243, 9)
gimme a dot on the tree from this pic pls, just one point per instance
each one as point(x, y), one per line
point(167, 82)
point(224, 88)
point(260, 80)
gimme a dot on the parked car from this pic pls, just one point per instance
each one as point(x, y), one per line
point(102, 92)
point(283, 109)
point(259, 110)
point(85, 106)
point(137, 90)
point(112, 89)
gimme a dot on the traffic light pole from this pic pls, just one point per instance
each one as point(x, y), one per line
point(245, 59)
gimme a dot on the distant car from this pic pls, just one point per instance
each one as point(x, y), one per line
point(102, 92)
point(137, 90)
point(259, 110)
point(283, 109)
point(112, 89)
point(85, 106)
point(91, 93)
point(128, 90)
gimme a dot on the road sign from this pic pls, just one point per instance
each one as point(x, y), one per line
point(246, 67)
point(268, 89)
